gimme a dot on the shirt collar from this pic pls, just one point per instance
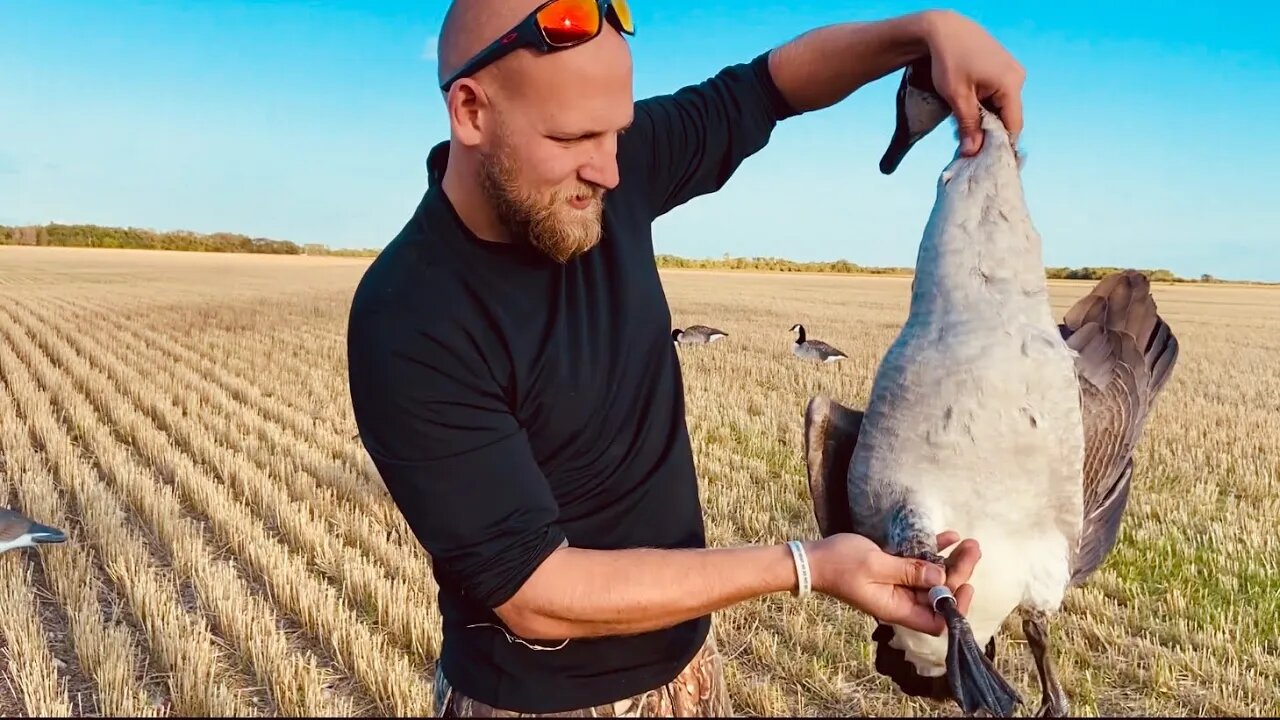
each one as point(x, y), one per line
point(437, 159)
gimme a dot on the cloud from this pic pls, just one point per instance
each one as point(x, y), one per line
point(429, 49)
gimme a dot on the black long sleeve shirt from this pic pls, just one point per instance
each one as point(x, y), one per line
point(512, 404)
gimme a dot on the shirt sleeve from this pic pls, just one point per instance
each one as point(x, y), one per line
point(453, 457)
point(690, 142)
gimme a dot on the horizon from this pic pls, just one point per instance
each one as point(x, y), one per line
point(311, 122)
point(665, 261)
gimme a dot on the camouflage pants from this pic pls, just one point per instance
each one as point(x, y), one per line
point(698, 691)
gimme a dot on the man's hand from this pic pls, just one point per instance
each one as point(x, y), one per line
point(854, 570)
point(969, 66)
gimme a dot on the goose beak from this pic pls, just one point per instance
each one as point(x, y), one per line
point(45, 535)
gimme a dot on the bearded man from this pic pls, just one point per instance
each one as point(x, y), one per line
point(512, 373)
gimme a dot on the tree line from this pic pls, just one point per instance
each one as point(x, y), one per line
point(97, 236)
point(773, 264)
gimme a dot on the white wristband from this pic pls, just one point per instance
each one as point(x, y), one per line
point(805, 579)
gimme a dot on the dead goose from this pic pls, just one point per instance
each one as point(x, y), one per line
point(815, 350)
point(988, 417)
point(19, 531)
point(697, 335)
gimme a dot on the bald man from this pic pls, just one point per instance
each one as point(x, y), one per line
point(514, 381)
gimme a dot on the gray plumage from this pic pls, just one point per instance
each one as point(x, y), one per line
point(989, 417)
point(697, 335)
point(19, 531)
point(815, 350)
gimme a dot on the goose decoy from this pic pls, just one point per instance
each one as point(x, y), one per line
point(988, 417)
point(815, 350)
point(19, 531)
point(697, 335)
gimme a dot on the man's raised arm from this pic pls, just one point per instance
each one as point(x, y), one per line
point(689, 143)
point(824, 66)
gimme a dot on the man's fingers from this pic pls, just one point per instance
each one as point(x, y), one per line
point(922, 574)
point(947, 538)
point(919, 617)
point(961, 563)
point(964, 596)
point(1009, 101)
point(964, 104)
point(911, 572)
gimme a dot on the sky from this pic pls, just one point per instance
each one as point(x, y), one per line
point(1151, 128)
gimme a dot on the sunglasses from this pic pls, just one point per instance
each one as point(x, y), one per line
point(554, 25)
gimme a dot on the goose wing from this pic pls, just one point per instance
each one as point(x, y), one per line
point(1126, 353)
point(705, 330)
point(830, 434)
point(824, 348)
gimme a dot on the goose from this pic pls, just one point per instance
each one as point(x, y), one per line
point(19, 531)
point(697, 335)
point(989, 417)
point(816, 350)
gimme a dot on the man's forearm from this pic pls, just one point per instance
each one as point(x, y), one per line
point(586, 593)
point(823, 66)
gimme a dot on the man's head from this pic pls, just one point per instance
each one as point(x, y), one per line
point(536, 134)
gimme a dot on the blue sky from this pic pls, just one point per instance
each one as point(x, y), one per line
point(1150, 127)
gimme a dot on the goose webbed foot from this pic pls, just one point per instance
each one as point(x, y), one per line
point(1053, 700)
point(976, 684)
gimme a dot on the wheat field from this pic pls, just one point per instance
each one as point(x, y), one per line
point(184, 417)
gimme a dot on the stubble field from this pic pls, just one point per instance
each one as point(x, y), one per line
point(185, 418)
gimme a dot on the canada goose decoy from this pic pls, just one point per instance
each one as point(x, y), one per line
point(815, 350)
point(19, 531)
point(990, 418)
point(697, 335)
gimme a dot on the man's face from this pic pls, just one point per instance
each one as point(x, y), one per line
point(550, 151)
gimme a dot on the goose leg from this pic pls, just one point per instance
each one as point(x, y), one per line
point(976, 685)
point(1053, 701)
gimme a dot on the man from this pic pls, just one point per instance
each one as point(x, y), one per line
point(512, 373)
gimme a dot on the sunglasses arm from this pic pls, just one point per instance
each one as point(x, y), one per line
point(526, 34)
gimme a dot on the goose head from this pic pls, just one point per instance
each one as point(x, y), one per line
point(799, 330)
point(675, 335)
point(19, 531)
point(45, 535)
point(919, 111)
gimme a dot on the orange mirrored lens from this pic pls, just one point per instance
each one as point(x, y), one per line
point(624, 15)
point(566, 22)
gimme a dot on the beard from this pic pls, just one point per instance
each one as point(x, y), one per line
point(548, 222)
